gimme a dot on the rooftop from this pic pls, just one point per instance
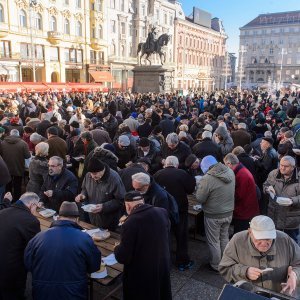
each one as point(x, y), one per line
point(280, 18)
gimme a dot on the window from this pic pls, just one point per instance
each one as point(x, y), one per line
point(93, 33)
point(66, 2)
point(78, 28)
point(289, 61)
point(5, 49)
point(67, 26)
point(113, 49)
point(157, 14)
point(78, 3)
point(112, 3)
point(25, 51)
point(38, 22)
point(271, 50)
point(53, 54)
point(100, 32)
point(166, 19)
point(123, 28)
point(73, 55)
point(143, 11)
point(53, 25)
point(123, 53)
point(23, 18)
point(171, 20)
point(1, 13)
point(39, 52)
point(113, 26)
point(122, 5)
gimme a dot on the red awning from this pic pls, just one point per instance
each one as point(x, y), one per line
point(34, 86)
point(84, 87)
point(56, 86)
point(10, 87)
point(101, 76)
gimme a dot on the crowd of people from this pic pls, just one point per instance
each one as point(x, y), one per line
point(139, 156)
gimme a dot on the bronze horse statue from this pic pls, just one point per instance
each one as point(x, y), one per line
point(162, 41)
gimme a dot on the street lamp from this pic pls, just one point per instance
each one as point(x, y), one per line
point(283, 51)
point(242, 51)
point(226, 69)
point(32, 4)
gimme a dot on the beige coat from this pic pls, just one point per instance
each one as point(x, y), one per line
point(240, 254)
point(284, 217)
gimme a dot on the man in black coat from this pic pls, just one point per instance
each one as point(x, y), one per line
point(207, 147)
point(18, 227)
point(60, 185)
point(144, 251)
point(179, 184)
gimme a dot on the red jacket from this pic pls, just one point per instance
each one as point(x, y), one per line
point(246, 202)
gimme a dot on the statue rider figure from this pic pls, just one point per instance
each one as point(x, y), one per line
point(150, 42)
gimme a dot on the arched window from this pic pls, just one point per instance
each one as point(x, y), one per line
point(123, 53)
point(1, 13)
point(23, 18)
point(78, 28)
point(78, 3)
point(67, 26)
point(38, 22)
point(53, 24)
point(100, 32)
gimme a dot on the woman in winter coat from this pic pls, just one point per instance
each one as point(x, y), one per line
point(38, 168)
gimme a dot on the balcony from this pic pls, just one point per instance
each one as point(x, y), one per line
point(54, 37)
point(3, 30)
point(98, 44)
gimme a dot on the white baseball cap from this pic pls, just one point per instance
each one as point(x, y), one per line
point(263, 228)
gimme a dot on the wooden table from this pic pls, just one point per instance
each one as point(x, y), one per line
point(192, 212)
point(106, 248)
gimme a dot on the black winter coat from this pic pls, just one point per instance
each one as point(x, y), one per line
point(18, 227)
point(64, 188)
point(126, 174)
point(178, 183)
point(5, 176)
point(208, 147)
point(144, 251)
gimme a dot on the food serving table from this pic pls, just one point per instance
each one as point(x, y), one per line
point(106, 248)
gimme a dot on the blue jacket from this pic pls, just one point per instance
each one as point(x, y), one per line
point(59, 260)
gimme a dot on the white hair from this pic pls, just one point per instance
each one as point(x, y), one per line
point(14, 132)
point(42, 149)
point(35, 138)
point(290, 160)
point(171, 161)
point(268, 134)
point(142, 178)
point(206, 134)
point(28, 197)
point(242, 126)
point(182, 134)
point(172, 138)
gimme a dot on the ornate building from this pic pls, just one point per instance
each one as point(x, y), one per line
point(65, 36)
point(270, 50)
point(199, 52)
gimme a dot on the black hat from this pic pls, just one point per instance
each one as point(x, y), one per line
point(28, 129)
point(133, 196)
point(144, 142)
point(144, 160)
point(105, 113)
point(75, 124)
point(95, 165)
point(190, 160)
point(269, 140)
point(68, 209)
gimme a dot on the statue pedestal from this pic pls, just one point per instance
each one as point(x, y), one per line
point(153, 79)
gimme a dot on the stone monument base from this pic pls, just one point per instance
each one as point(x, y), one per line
point(154, 79)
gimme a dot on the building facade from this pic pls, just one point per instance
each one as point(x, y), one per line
point(270, 50)
point(199, 55)
point(129, 22)
point(64, 36)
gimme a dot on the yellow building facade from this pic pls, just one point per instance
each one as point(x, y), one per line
point(66, 37)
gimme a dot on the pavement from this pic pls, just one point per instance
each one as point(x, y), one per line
point(197, 283)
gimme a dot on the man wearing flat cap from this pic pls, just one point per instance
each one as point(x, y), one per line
point(264, 165)
point(102, 186)
point(60, 258)
point(144, 250)
point(263, 255)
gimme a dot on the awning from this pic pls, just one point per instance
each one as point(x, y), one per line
point(10, 87)
point(101, 76)
point(56, 86)
point(84, 87)
point(34, 86)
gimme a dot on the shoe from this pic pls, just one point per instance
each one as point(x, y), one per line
point(188, 266)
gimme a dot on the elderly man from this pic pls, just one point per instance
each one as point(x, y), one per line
point(57, 146)
point(216, 194)
point(144, 251)
point(285, 182)
point(175, 148)
point(18, 227)
point(179, 184)
point(60, 184)
point(103, 187)
point(263, 255)
point(241, 137)
point(60, 258)
point(125, 152)
point(246, 203)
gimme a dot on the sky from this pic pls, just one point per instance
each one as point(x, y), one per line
point(237, 13)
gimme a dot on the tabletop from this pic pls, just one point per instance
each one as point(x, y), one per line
point(106, 248)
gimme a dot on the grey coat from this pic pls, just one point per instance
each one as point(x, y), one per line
point(284, 217)
point(239, 255)
point(216, 192)
point(109, 191)
point(38, 171)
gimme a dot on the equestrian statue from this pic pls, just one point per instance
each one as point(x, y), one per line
point(153, 45)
